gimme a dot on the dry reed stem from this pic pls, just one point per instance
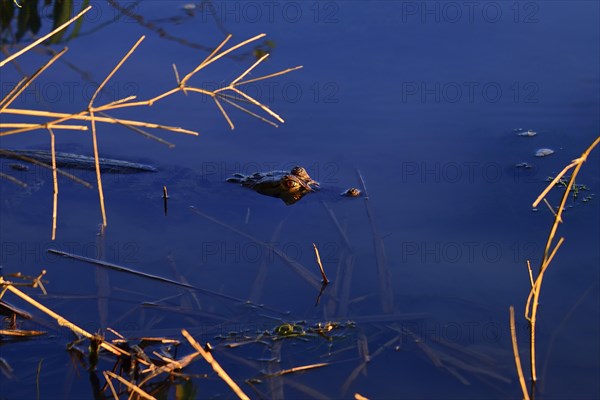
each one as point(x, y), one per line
point(531, 312)
point(274, 74)
point(120, 101)
point(13, 90)
point(37, 282)
point(258, 104)
point(13, 179)
point(530, 273)
point(20, 333)
point(38, 126)
point(112, 388)
point(215, 366)
point(295, 369)
point(130, 385)
point(318, 257)
point(553, 183)
point(114, 71)
point(54, 182)
point(515, 346)
point(181, 87)
point(40, 40)
point(203, 63)
point(547, 203)
point(59, 319)
point(169, 368)
point(176, 74)
point(91, 110)
point(98, 174)
point(149, 102)
point(82, 115)
point(212, 53)
point(247, 71)
point(218, 103)
point(8, 99)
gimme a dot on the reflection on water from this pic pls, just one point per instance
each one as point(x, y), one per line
point(427, 106)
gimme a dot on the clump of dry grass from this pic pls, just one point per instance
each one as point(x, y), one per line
point(150, 366)
point(550, 250)
point(88, 118)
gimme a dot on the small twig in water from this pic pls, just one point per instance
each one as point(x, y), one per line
point(325, 280)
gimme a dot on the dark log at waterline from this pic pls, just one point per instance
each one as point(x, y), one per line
point(77, 161)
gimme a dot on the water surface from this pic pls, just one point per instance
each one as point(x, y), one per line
point(423, 99)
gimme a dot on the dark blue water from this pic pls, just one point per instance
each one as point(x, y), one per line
point(423, 98)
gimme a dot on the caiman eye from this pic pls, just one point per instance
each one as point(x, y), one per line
point(289, 183)
point(298, 171)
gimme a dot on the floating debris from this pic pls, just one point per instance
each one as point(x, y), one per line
point(544, 152)
point(524, 165)
point(527, 133)
point(578, 191)
point(18, 167)
point(352, 192)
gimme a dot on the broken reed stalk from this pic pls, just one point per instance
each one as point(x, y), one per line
point(54, 182)
point(98, 174)
point(40, 40)
point(318, 257)
point(532, 303)
point(215, 365)
point(513, 335)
